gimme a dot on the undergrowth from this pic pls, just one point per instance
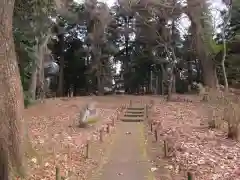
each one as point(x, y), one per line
point(224, 110)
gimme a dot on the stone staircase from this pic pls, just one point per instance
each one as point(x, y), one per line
point(134, 113)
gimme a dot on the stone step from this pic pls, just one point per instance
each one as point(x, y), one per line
point(136, 108)
point(132, 119)
point(132, 111)
point(134, 114)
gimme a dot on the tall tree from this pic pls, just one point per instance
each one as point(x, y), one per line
point(35, 25)
point(11, 101)
point(97, 28)
point(198, 13)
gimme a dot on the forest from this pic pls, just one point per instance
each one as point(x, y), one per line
point(61, 48)
point(88, 40)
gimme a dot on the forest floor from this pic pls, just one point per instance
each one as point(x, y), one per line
point(57, 141)
point(193, 147)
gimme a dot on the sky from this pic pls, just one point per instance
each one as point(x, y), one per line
point(216, 3)
point(109, 2)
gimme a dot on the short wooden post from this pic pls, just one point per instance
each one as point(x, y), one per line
point(146, 111)
point(108, 128)
point(101, 135)
point(151, 102)
point(165, 149)
point(151, 127)
point(156, 135)
point(113, 121)
point(190, 176)
point(117, 115)
point(87, 150)
point(58, 177)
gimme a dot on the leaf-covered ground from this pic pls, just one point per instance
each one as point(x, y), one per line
point(57, 141)
point(193, 146)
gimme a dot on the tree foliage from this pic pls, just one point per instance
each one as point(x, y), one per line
point(143, 36)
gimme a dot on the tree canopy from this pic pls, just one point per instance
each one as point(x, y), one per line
point(144, 38)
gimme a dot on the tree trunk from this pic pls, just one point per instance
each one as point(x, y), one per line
point(195, 11)
point(100, 85)
point(198, 69)
point(33, 82)
point(151, 82)
point(11, 101)
point(61, 70)
point(41, 73)
point(190, 74)
point(209, 72)
point(170, 85)
point(174, 83)
point(157, 84)
point(61, 78)
point(162, 79)
point(38, 68)
point(224, 56)
point(127, 57)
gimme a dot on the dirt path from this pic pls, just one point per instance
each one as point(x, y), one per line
point(128, 158)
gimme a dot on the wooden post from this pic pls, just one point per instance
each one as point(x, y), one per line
point(117, 116)
point(189, 176)
point(151, 127)
point(146, 111)
point(113, 121)
point(101, 135)
point(87, 150)
point(151, 102)
point(122, 107)
point(108, 128)
point(156, 135)
point(58, 177)
point(165, 149)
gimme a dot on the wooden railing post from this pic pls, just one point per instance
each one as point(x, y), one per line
point(101, 135)
point(58, 177)
point(156, 135)
point(108, 128)
point(87, 150)
point(146, 111)
point(165, 148)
